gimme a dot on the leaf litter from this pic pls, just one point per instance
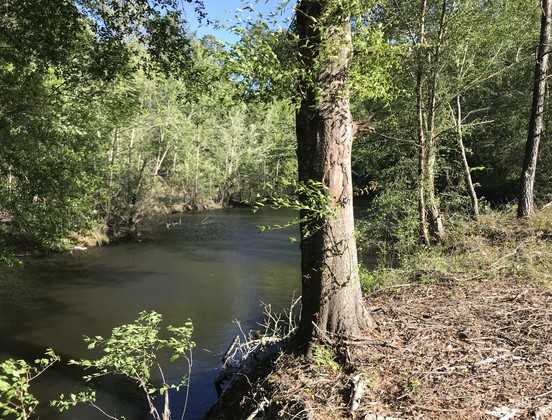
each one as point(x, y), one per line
point(447, 350)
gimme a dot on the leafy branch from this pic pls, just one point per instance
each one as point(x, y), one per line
point(132, 351)
point(15, 378)
point(311, 199)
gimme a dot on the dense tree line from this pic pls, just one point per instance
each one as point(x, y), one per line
point(448, 141)
point(103, 121)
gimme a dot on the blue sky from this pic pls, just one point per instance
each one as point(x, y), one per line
point(230, 12)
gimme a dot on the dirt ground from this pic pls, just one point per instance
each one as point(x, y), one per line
point(448, 350)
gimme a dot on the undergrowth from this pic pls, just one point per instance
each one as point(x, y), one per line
point(497, 246)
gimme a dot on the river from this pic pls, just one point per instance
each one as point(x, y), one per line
point(211, 267)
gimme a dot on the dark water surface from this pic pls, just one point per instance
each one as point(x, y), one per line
point(213, 268)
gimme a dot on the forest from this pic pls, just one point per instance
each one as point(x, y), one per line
point(428, 115)
point(99, 132)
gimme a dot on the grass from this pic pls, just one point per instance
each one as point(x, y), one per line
point(499, 245)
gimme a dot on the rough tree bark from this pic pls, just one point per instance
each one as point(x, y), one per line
point(332, 301)
point(536, 120)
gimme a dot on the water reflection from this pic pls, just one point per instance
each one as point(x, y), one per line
point(212, 268)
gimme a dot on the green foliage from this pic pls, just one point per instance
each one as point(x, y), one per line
point(15, 378)
point(411, 384)
point(264, 62)
point(375, 60)
point(369, 279)
point(87, 143)
point(159, 29)
point(101, 154)
point(212, 149)
point(88, 396)
point(48, 166)
point(8, 259)
point(485, 62)
point(133, 350)
point(310, 199)
point(496, 246)
point(324, 357)
point(266, 59)
point(390, 226)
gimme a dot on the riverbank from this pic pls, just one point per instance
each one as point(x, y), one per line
point(462, 331)
point(15, 245)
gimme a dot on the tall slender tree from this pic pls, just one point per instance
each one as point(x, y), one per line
point(536, 120)
point(332, 299)
point(427, 82)
point(420, 123)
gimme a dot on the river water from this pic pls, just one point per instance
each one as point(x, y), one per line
point(212, 267)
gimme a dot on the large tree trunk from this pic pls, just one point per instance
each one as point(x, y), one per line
point(536, 121)
point(332, 301)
